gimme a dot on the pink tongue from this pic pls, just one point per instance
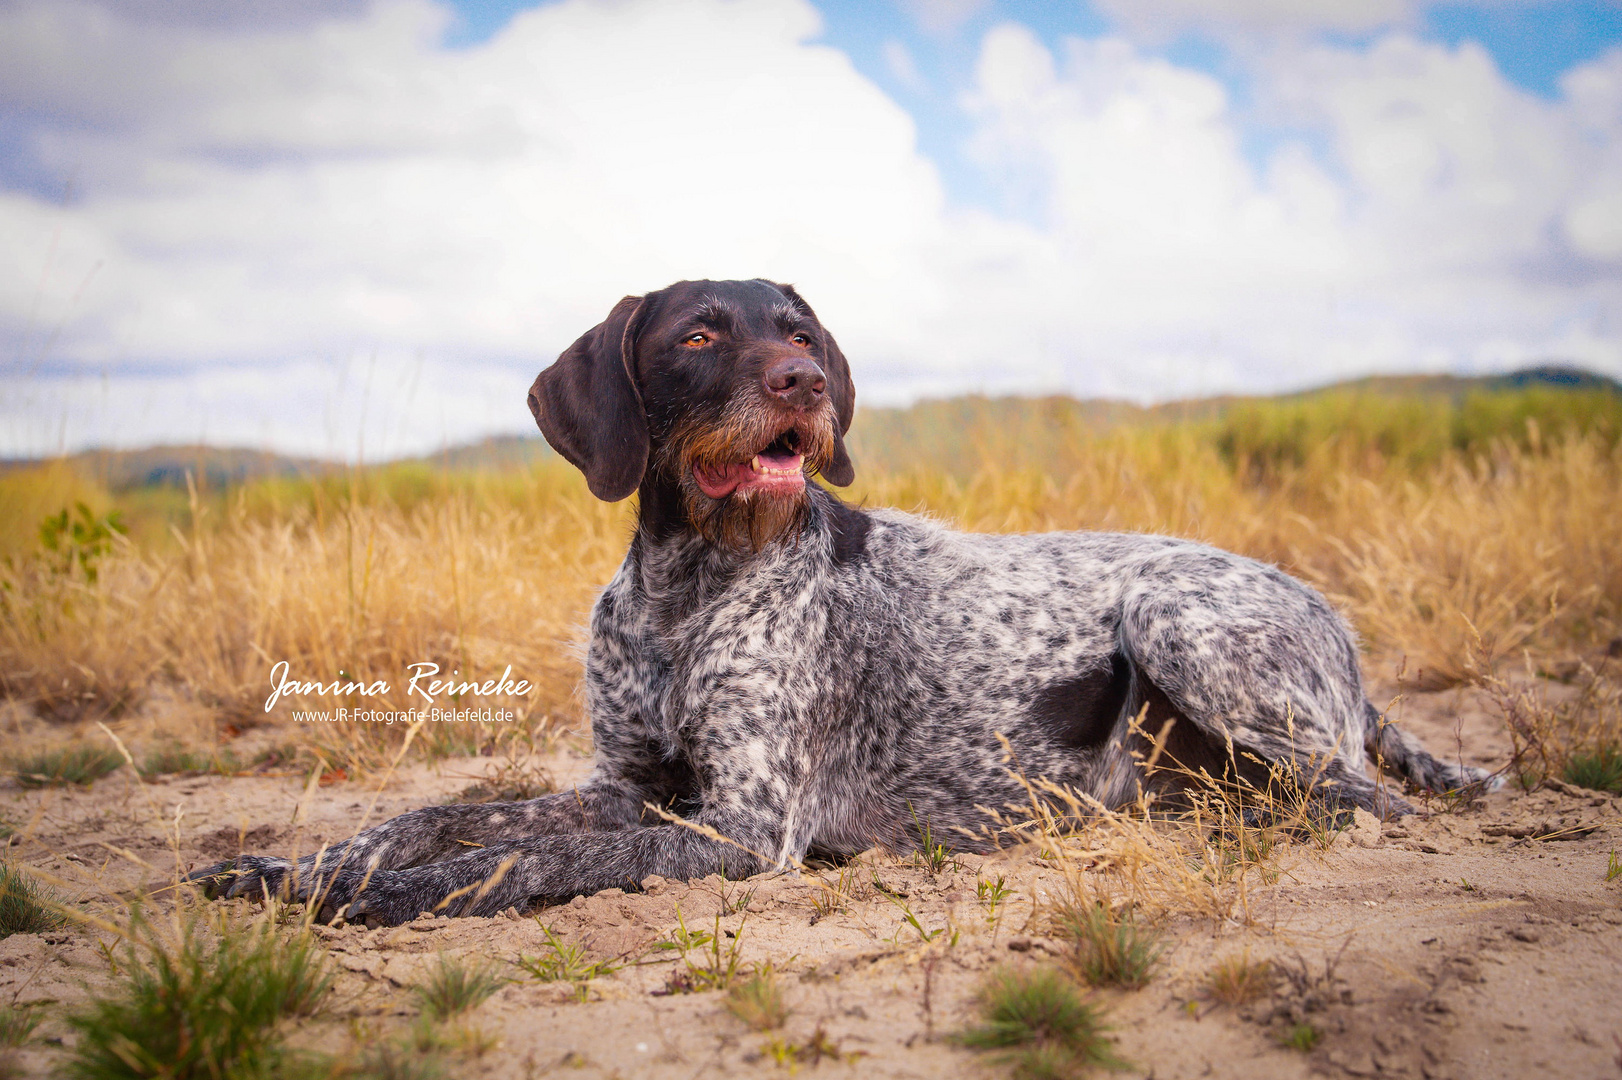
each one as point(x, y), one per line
point(722, 481)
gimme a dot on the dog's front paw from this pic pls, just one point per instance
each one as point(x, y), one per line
point(389, 898)
point(246, 875)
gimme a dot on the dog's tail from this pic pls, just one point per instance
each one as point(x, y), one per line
point(1402, 753)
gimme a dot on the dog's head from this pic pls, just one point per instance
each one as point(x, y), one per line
point(731, 391)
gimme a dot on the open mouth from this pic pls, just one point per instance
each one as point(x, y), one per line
point(779, 469)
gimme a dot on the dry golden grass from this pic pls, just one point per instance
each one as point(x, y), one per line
point(483, 574)
point(1451, 554)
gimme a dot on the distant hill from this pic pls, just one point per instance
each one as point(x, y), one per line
point(879, 434)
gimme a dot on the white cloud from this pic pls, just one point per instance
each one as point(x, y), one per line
point(262, 212)
point(943, 16)
point(1245, 22)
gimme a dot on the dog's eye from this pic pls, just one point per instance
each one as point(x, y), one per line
point(696, 341)
point(802, 340)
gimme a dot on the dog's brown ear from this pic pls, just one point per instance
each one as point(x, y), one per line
point(841, 390)
point(588, 407)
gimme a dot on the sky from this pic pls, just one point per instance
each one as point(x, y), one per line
point(356, 229)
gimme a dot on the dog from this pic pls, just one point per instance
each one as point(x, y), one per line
point(790, 674)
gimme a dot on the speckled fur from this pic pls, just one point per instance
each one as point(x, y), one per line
point(848, 684)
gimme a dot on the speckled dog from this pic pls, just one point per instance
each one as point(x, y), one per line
point(798, 675)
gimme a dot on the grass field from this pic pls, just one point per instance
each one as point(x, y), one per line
point(1466, 533)
point(1456, 530)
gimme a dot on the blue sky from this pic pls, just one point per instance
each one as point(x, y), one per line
point(1533, 44)
point(233, 223)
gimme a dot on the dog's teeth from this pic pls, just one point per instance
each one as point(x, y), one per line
point(755, 464)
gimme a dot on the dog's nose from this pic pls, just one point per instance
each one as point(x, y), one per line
point(796, 381)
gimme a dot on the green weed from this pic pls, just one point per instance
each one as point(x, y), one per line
point(17, 1023)
point(1110, 947)
point(991, 896)
point(792, 1055)
point(1302, 1037)
point(565, 963)
point(829, 898)
point(24, 906)
point(454, 986)
point(1237, 980)
point(387, 1061)
point(75, 763)
point(707, 963)
point(911, 920)
point(1040, 1024)
point(81, 538)
point(758, 1001)
point(1613, 868)
point(931, 854)
point(173, 760)
point(1599, 769)
point(206, 1002)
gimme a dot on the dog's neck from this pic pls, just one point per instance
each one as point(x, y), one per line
point(680, 568)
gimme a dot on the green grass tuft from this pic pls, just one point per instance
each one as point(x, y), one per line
point(24, 906)
point(453, 987)
point(171, 760)
point(17, 1023)
point(208, 1004)
point(565, 963)
point(389, 1062)
point(758, 1001)
point(1043, 1026)
point(1111, 948)
point(76, 763)
point(1302, 1037)
point(1599, 769)
point(1238, 980)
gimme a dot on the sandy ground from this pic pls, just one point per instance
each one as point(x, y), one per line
point(1481, 941)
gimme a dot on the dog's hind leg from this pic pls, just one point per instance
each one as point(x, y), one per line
point(1260, 665)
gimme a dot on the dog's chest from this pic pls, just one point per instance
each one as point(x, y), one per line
point(676, 640)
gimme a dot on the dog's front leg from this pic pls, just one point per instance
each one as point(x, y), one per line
point(746, 739)
point(545, 868)
point(421, 836)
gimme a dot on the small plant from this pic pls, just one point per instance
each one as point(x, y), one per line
point(454, 987)
point(717, 967)
point(387, 1061)
point(24, 907)
point(1238, 981)
point(565, 963)
point(76, 763)
point(758, 1001)
point(1599, 769)
point(734, 899)
point(1302, 1037)
point(1111, 948)
point(17, 1023)
point(1613, 868)
point(991, 895)
point(80, 538)
point(1041, 1025)
point(208, 1002)
point(516, 779)
point(931, 854)
point(792, 1055)
point(829, 898)
point(171, 760)
point(912, 920)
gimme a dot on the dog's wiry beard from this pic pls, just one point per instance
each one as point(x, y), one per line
point(745, 521)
